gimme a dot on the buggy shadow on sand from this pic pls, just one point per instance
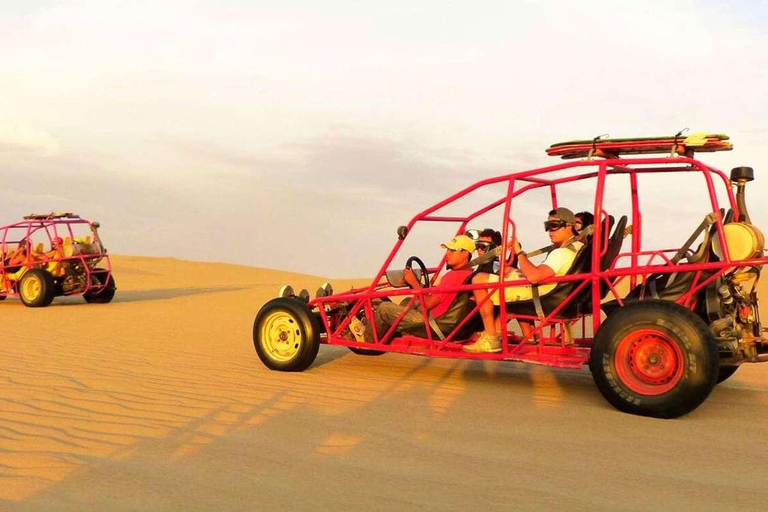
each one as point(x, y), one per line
point(668, 324)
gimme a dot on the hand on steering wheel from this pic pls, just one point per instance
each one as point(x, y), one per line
point(424, 281)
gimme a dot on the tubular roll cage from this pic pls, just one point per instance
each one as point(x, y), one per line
point(52, 226)
point(547, 350)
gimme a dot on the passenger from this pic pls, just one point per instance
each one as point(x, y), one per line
point(18, 256)
point(488, 240)
point(560, 226)
point(437, 302)
point(54, 256)
point(583, 221)
point(21, 256)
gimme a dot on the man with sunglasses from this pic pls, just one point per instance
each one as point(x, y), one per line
point(560, 227)
point(487, 240)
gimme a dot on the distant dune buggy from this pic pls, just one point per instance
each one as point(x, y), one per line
point(658, 327)
point(48, 255)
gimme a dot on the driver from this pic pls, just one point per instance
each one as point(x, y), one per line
point(437, 302)
point(56, 251)
point(56, 267)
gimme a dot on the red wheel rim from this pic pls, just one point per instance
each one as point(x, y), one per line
point(649, 362)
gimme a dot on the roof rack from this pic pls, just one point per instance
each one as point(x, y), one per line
point(52, 215)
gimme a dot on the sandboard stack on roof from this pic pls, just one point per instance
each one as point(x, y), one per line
point(612, 148)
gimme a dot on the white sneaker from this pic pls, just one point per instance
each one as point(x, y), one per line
point(485, 343)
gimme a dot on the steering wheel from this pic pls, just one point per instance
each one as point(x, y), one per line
point(422, 267)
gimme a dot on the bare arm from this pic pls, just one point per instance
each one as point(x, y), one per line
point(535, 274)
point(429, 301)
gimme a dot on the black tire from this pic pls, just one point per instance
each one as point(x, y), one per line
point(725, 372)
point(286, 335)
point(104, 296)
point(36, 288)
point(2, 297)
point(366, 351)
point(654, 358)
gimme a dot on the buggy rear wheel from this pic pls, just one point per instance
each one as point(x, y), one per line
point(36, 288)
point(654, 358)
point(286, 335)
point(725, 372)
point(104, 296)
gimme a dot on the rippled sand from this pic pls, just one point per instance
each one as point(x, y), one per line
point(157, 401)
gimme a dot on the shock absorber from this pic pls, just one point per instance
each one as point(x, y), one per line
point(726, 298)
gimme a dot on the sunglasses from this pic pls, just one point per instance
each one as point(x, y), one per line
point(483, 246)
point(554, 225)
point(455, 250)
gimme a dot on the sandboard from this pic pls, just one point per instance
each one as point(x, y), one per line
point(614, 148)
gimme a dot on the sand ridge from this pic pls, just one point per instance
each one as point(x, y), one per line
point(157, 401)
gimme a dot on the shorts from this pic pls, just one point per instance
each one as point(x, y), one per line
point(511, 293)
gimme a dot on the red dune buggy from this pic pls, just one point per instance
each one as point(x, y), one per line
point(658, 323)
point(48, 255)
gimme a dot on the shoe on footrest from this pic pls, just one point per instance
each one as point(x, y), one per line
point(473, 338)
point(485, 343)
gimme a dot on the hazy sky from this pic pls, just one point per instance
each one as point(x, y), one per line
point(298, 135)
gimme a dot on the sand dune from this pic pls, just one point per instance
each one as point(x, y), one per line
point(157, 401)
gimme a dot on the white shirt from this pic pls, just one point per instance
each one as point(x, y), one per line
point(560, 261)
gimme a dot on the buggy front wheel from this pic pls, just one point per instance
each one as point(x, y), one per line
point(36, 288)
point(654, 358)
point(286, 335)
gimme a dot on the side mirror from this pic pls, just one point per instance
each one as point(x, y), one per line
point(402, 232)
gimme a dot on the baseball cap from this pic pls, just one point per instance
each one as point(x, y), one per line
point(460, 242)
point(564, 214)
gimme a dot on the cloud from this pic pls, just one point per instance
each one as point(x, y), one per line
point(19, 137)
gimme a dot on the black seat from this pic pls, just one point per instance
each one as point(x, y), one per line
point(582, 264)
point(461, 306)
point(672, 285)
